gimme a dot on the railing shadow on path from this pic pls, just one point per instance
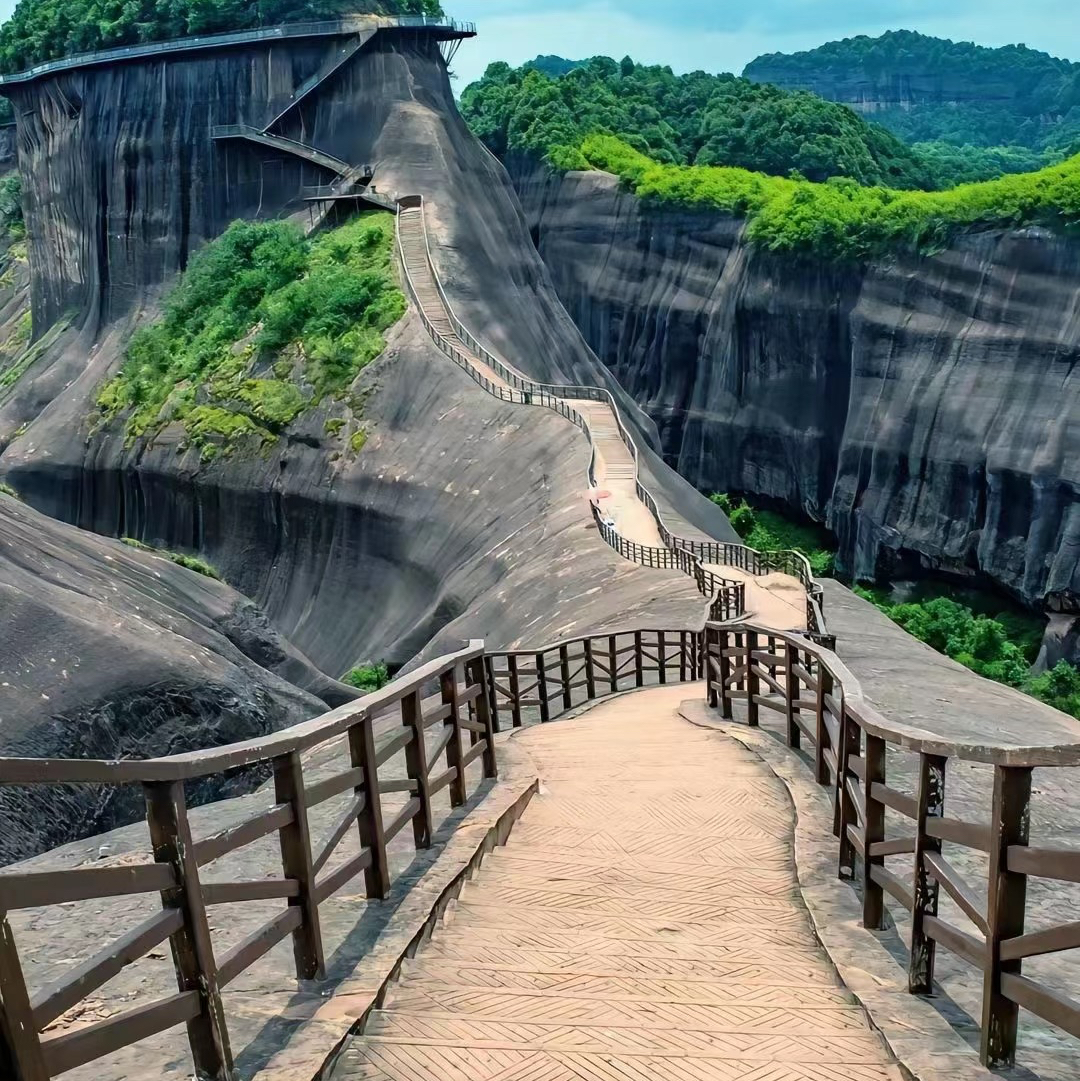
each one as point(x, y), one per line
point(888, 785)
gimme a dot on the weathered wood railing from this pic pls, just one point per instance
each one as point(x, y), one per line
point(458, 705)
point(861, 756)
point(467, 696)
point(539, 684)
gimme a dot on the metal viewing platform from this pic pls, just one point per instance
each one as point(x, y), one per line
point(440, 28)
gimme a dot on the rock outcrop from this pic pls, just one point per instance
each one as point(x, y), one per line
point(107, 652)
point(924, 409)
point(462, 516)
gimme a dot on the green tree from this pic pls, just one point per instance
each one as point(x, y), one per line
point(688, 119)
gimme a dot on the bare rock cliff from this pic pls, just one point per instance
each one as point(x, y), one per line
point(925, 409)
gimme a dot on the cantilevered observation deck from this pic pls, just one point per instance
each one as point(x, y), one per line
point(449, 31)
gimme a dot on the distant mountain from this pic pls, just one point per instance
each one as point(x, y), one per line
point(554, 66)
point(925, 88)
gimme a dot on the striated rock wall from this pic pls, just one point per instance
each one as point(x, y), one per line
point(869, 90)
point(923, 408)
point(450, 521)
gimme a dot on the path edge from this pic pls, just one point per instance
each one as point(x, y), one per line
point(924, 1044)
point(487, 828)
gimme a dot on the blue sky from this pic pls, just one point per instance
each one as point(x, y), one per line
point(721, 35)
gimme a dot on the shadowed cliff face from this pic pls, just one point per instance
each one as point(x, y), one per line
point(922, 406)
point(108, 652)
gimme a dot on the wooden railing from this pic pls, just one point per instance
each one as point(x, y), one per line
point(539, 684)
point(855, 752)
point(458, 706)
point(467, 696)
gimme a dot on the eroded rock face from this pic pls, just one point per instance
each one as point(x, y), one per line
point(462, 517)
point(922, 408)
point(110, 652)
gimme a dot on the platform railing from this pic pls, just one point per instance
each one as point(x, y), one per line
point(888, 785)
point(316, 28)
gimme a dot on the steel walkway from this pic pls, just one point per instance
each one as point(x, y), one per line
point(643, 923)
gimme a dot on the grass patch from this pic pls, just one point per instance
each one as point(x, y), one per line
point(192, 563)
point(769, 531)
point(841, 219)
point(6, 489)
point(368, 677)
point(264, 324)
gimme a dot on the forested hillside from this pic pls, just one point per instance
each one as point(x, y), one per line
point(1022, 103)
point(694, 119)
point(45, 29)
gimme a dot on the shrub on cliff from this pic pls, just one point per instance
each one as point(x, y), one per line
point(767, 531)
point(41, 30)
point(686, 119)
point(264, 324)
point(841, 219)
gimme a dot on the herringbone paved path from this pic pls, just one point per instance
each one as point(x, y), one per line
point(642, 924)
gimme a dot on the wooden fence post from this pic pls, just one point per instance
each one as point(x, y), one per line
point(752, 681)
point(590, 671)
point(661, 656)
point(724, 645)
point(296, 863)
point(824, 687)
point(684, 655)
point(515, 691)
point(1006, 895)
point(192, 949)
point(492, 691)
point(483, 717)
point(931, 804)
point(455, 754)
point(21, 1057)
point(564, 677)
point(845, 815)
point(370, 822)
point(873, 896)
point(639, 661)
point(541, 689)
point(791, 695)
point(416, 765)
point(613, 664)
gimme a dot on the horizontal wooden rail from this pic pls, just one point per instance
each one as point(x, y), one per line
point(851, 744)
point(307, 876)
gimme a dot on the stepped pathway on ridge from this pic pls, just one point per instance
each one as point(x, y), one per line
point(616, 470)
point(643, 923)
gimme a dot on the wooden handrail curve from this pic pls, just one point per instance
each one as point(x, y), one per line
point(462, 694)
point(823, 704)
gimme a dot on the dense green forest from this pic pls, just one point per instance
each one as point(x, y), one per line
point(1013, 96)
point(840, 219)
point(695, 119)
point(45, 29)
point(264, 324)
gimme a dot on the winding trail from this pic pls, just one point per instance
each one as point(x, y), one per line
point(616, 469)
point(643, 923)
